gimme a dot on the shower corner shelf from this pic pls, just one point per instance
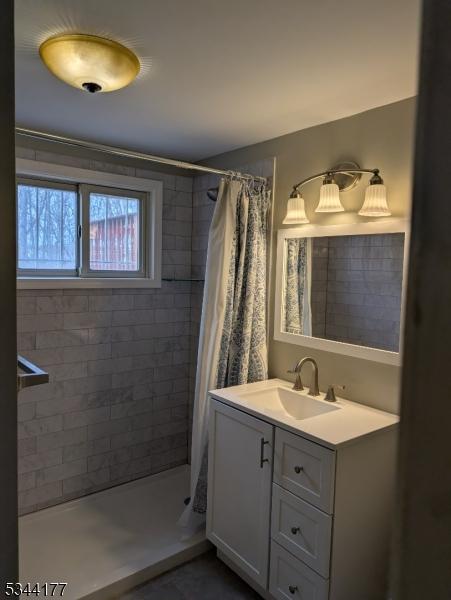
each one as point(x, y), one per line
point(192, 280)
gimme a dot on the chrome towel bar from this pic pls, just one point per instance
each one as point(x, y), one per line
point(31, 375)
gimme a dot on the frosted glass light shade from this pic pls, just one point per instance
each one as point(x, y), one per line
point(375, 204)
point(90, 62)
point(329, 198)
point(295, 211)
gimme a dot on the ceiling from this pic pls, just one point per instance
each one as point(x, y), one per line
point(218, 75)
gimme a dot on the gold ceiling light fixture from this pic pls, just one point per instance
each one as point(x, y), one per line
point(89, 62)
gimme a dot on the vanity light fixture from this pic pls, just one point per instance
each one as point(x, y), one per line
point(329, 196)
point(375, 204)
point(341, 178)
point(89, 62)
point(295, 210)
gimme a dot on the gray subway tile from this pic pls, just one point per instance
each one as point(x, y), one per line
point(62, 339)
point(86, 449)
point(116, 426)
point(108, 459)
point(86, 385)
point(26, 411)
point(110, 396)
point(128, 409)
point(38, 427)
point(110, 365)
point(87, 481)
point(131, 438)
point(26, 446)
point(57, 304)
point(34, 462)
point(133, 317)
point(62, 471)
point(86, 417)
point(26, 341)
point(40, 494)
point(139, 465)
point(109, 303)
point(64, 372)
point(26, 481)
point(85, 353)
point(87, 320)
point(61, 438)
point(58, 405)
point(132, 348)
point(27, 323)
point(26, 305)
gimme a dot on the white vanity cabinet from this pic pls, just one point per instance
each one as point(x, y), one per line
point(298, 519)
point(239, 489)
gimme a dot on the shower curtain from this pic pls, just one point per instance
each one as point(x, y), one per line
point(297, 293)
point(232, 340)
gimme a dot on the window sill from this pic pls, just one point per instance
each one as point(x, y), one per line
point(57, 283)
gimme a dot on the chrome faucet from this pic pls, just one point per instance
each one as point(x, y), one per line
point(314, 388)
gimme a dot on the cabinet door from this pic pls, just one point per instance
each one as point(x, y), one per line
point(239, 488)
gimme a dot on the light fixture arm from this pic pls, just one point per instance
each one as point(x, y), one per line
point(331, 172)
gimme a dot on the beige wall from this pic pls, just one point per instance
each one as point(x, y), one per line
point(383, 138)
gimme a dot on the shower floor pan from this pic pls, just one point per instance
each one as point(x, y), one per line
point(104, 544)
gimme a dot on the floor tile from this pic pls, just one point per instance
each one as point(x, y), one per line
point(205, 578)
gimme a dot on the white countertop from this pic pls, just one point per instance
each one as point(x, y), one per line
point(333, 429)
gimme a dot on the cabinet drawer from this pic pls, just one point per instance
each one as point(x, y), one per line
point(304, 468)
point(291, 579)
point(301, 529)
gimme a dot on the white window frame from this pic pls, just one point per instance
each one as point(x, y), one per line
point(58, 185)
point(85, 269)
point(152, 213)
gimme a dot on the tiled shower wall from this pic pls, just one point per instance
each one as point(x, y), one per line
point(119, 361)
point(122, 362)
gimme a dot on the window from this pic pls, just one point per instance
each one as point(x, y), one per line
point(88, 232)
point(114, 220)
point(47, 227)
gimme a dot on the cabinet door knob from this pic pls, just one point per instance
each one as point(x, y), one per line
point(293, 589)
point(298, 469)
point(295, 530)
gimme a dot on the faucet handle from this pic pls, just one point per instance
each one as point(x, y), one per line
point(298, 383)
point(330, 395)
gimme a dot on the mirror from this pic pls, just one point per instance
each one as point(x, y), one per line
point(344, 290)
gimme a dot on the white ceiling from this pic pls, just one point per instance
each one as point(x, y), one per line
point(219, 74)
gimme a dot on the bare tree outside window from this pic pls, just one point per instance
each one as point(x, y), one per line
point(46, 228)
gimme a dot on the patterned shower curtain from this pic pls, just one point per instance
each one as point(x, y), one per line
point(296, 299)
point(232, 340)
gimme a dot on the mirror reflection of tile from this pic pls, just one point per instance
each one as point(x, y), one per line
point(356, 289)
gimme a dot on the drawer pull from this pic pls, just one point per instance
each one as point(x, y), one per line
point(292, 589)
point(298, 469)
point(295, 530)
point(262, 452)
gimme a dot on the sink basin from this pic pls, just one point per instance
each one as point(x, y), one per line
point(298, 405)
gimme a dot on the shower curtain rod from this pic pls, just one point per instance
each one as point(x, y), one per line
point(131, 154)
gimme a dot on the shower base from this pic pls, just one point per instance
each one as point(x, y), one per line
point(106, 543)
